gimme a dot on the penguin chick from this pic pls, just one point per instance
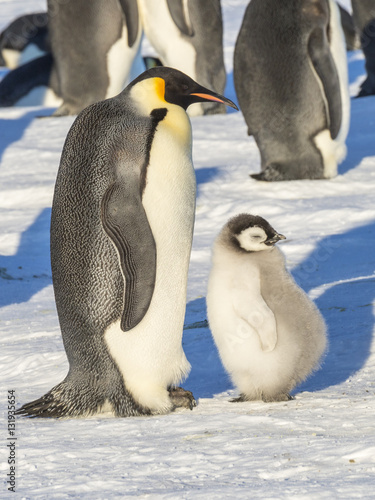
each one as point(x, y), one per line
point(121, 232)
point(269, 334)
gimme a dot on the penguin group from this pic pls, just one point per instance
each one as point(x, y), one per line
point(124, 201)
point(89, 51)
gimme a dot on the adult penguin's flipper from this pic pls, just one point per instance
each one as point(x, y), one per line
point(324, 65)
point(130, 9)
point(180, 16)
point(124, 220)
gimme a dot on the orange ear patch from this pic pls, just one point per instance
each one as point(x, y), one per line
point(160, 88)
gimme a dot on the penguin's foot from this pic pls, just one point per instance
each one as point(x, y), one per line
point(181, 398)
point(293, 171)
point(241, 399)
point(277, 398)
point(271, 173)
point(367, 87)
point(266, 399)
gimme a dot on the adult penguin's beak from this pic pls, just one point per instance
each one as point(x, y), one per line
point(208, 95)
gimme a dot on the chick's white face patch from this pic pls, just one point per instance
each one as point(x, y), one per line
point(252, 239)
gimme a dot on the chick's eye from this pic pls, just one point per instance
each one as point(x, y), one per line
point(256, 237)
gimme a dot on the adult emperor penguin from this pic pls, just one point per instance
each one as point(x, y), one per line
point(94, 49)
point(269, 334)
point(94, 45)
point(121, 233)
point(25, 49)
point(188, 35)
point(292, 87)
point(24, 39)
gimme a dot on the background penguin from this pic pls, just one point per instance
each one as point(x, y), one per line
point(292, 87)
point(24, 39)
point(364, 19)
point(25, 49)
point(34, 82)
point(269, 334)
point(351, 36)
point(94, 45)
point(94, 48)
point(188, 35)
point(121, 233)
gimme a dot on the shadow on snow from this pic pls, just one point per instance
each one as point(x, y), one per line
point(28, 271)
point(12, 130)
point(345, 264)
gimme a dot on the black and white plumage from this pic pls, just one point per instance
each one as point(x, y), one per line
point(290, 75)
point(93, 53)
point(121, 232)
point(24, 39)
point(269, 334)
point(188, 35)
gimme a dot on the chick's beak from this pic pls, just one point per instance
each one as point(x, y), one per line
point(277, 237)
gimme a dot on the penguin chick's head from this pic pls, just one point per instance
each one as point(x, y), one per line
point(174, 87)
point(251, 233)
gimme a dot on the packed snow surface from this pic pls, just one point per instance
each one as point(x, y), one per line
point(319, 445)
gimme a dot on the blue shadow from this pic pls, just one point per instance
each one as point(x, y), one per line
point(207, 376)
point(345, 263)
point(205, 175)
point(360, 142)
point(28, 271)
point(12, 130)
point(230, 93)
point(356, 69)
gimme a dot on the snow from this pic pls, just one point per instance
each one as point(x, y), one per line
point(319, 445)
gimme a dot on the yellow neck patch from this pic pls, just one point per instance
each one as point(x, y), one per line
point(160, 88)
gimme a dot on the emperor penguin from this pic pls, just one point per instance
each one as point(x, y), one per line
point(292, 87)
point(26, 51)
point(352, 38)
point(24, 39)
point(94, 45)
point(121, 232)
point(269, 334)
point(94, 54)
point(188, 35)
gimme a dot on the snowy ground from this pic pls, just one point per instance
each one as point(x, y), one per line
point(320, 445)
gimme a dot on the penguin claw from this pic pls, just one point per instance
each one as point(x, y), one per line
point(240, 399)
point(182, 398)
point(266, 399)
point(278, 398)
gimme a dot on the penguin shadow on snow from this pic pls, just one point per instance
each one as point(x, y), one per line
point(359, 142)
point(356, 67)
point(342, 263)
point(28, 271)
point(205, 175)
point(12, 130)
point(207, 376)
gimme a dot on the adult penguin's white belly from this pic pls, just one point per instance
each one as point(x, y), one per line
point(150, 356)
